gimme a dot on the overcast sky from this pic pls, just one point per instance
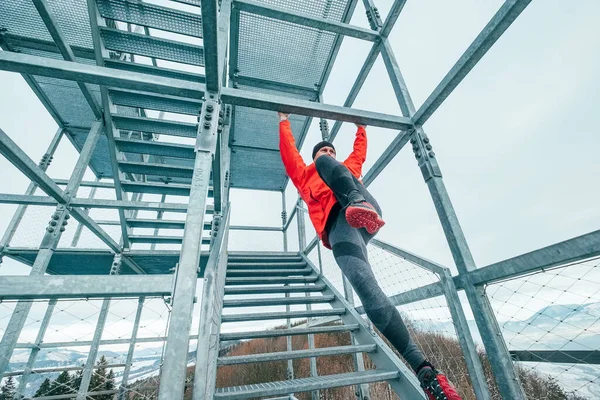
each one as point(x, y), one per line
point(517, 141)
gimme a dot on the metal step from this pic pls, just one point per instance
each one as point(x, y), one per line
point(295, 354)
point(160, 223)
point(268, 272)
point(259, 280)
point(156, 125)
point(303, 385)
point(274, 289)
point(149, 101)
point(277, 301)
point(158, 71)
point(265, 265)
point(243, 256)
point(155, 148)
point(282, 315)
point(161, 239)
point(174, 189)
point(149, 46)
point(169, 170)
point(287, 332)
point(153, 16)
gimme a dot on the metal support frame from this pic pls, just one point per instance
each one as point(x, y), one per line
point(79, 229)
point(172, 380)
point(93, 353)
point(362, 391)
point(56, 226)
point(284, 221)
point(101, 53)
point(35, 350)
point(132, 343)
point(505, 374)
point(210, 316)
point(11, 229)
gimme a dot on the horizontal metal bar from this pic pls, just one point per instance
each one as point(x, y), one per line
point(146, 168)
point(557, 356)
point(312, 109)
point(59, 369)
point(281, 315)
point(295, 354)
point(159, 223)
point(150, 46)
point(155, 148)
point(568, 251)
point(152, 70)
point(155, 125)
point(132, 98)
point(309, 93)
point(414, 295)
point(43, 66)
point(255, 228)
point(174, 189)
point(305, 20)
point(162, 239)
point(84, 286)
point(509, 11)
point(413, 258)
point(47, 46)
point(74, 395)
point(287, 332)
point(152, 16)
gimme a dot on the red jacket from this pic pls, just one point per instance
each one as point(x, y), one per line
point(315, 193)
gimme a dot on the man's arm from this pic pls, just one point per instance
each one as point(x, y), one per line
point(356, 159)
point(292, 160)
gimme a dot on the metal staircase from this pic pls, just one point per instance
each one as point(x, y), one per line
point(286, 279)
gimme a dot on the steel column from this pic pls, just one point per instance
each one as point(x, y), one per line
point(79, 229)
point(109, 128)
point(132, 343)
point(500, 360)
point(20, 212)
point(284, 220)
point(172, 380)
point(92, 355)
point(301, 228)
point(362, 391)
point(35, 350)
point(465, 339)
point(51, 238)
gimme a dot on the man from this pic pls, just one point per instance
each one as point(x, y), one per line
point(346, 217)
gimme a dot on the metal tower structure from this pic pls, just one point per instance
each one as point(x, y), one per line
point(110, 72)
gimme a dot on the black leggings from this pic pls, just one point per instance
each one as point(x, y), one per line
point(349, 247)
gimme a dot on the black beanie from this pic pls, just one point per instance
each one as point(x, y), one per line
point(320, 145)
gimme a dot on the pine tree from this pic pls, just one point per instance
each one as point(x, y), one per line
point(99, 376)
point(76, 382)
point(44, 388)
point(8, 390)
point(62, 384)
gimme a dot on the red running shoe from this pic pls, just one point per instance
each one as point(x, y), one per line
point(436, 385)
point(364, 215)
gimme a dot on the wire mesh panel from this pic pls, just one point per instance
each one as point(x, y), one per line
point(551, 323)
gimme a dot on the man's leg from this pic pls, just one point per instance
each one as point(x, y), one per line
point(350, 252)
point(348, 191)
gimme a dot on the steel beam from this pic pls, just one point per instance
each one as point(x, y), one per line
point(562, 253)
point(392, 17)
point(132, 343)
point(54, 229)
point(172, 379)
point(465, 339)
point(586, 357)
point(66, 51)
point(509, 11)
point(135, 81)
point(413, 258)
point(28, 370)
point(20, 212)
point(282, 14)
point(83, 286)
point(210, 314)
point(210, 42)
point(109, 127)
point(79, 229)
